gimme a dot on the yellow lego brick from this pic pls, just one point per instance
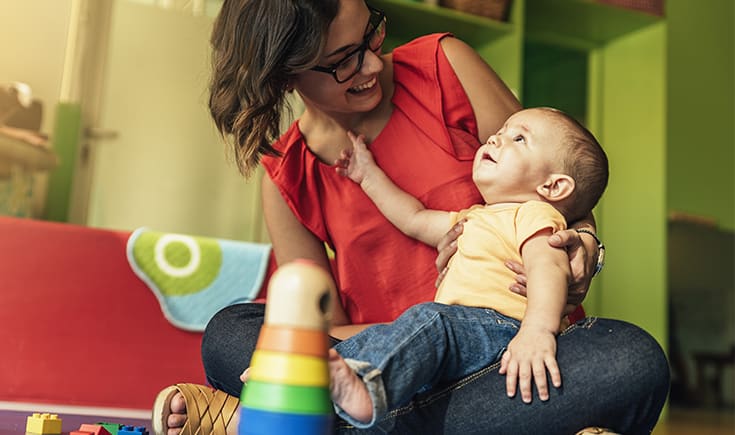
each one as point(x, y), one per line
point(43, 424)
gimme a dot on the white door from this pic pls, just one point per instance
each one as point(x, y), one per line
point(157, 160)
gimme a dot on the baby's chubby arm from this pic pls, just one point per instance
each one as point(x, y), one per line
point(404, 211)
point(532, 352)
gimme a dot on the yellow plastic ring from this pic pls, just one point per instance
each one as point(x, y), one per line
point(288, 369)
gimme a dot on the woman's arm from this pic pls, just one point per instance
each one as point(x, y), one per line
point(491, 100)
point(583, 253)
point(291, 240)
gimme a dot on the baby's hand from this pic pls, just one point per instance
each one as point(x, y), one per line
point(530, 354)
point(355, 163)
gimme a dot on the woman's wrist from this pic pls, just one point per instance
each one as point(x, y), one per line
point(600, 249)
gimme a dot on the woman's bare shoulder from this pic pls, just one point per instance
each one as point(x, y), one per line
point(490, 98)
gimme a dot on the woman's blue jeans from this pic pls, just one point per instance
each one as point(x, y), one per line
point(615, 375)
point(429, 344)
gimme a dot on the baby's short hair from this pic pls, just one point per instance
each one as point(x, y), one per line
point(586, 162)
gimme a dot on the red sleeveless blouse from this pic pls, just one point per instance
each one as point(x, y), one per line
point(426, 148)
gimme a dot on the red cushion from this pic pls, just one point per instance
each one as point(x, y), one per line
point(77, 327)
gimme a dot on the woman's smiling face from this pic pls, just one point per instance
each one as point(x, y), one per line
point(361, 92)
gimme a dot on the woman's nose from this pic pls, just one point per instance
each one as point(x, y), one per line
point(372, 63)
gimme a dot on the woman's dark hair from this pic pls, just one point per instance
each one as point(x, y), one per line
point(257, 47)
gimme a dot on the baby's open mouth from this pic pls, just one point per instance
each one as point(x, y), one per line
point(487, 156)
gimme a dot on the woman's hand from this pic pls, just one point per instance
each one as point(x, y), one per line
point(447, 247)
point(582, 259)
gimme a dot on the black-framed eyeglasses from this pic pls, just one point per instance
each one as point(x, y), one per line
point(346, 68)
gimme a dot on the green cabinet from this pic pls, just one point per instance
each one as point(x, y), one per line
point(499, 43)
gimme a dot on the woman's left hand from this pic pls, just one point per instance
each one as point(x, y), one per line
point(582, 259)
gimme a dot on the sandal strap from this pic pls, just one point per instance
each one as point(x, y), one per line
point(593, 430)
point(208, 411)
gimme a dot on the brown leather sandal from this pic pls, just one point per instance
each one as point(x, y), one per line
point(208, 411)
point(595, 431)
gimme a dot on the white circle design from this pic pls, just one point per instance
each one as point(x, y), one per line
point(168, 268)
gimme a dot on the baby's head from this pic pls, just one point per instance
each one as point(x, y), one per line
point(543, 154)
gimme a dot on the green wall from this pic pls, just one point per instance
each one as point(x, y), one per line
point(630, 108)
point(701, 109)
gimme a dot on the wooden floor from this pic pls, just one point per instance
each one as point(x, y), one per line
point(682, 421)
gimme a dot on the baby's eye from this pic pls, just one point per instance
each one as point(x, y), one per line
point(519, 139)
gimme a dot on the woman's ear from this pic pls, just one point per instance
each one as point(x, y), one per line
point(557, 187)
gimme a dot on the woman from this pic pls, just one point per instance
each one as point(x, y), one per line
point(424, 109)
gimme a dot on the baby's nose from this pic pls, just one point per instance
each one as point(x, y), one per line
point(493, 140)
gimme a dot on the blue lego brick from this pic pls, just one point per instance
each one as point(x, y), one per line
point(132, 430)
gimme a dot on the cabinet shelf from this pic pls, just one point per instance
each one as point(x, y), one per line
point(411, 19)
point(581, 24)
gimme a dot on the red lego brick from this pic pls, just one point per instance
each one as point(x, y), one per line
point(90, 429)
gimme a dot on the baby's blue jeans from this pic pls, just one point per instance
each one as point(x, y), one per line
point(427, 345)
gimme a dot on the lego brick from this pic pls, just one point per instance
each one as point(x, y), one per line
point(43, 424)
point(94, 429)
point(132, 430)
point(113, 428)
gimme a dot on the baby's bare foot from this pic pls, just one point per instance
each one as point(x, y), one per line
point(347, 389)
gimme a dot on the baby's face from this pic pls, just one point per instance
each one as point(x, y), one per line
point(519, 157)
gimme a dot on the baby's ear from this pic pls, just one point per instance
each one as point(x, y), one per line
point(557, 187)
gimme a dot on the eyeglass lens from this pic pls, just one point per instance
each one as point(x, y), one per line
point(349, 66)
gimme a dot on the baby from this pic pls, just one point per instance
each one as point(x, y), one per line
point(541, 170)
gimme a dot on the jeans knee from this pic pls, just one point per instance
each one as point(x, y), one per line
point(643, 355)
point(228, 343)
point(214, 332)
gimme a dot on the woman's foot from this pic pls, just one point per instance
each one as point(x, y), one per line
point(178, 417)
point(218, 412)
point(347, 389)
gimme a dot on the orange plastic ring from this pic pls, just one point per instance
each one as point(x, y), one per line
point(290, 340)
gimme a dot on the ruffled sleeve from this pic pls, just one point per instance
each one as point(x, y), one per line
point(295, 173)
point(430, 93)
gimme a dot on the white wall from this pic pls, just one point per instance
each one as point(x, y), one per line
point(33, 35)
point(167, 168)
point(214, 200)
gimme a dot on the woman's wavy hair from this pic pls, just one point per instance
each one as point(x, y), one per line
point(257, 48)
